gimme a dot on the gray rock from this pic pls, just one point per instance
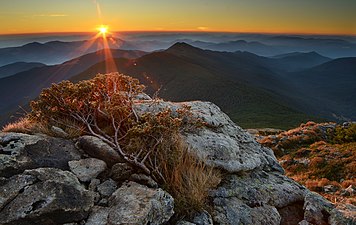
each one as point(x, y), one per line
point(348, 211)
point(254, 197)
point(97, 197)
point(318, 210)
point(59, 132)
point(103, 202)
point(330, 188)
point(231, 211)
point(87, 169)
point(98, 216)
point(120, 172)
point(222, 143)
point(107, 188)
point(19, 152)
point(11, 187)
point(133, 203)
point(96, 148)
point(93, 184)
point(144, 180)
point(55, 197)
point(203, 218)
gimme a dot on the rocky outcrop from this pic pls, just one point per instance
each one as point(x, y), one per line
point(46, 180)
point(19, 152)
point(221, 143)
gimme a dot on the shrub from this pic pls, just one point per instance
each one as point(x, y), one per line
point(104, 107)
point(345, 134)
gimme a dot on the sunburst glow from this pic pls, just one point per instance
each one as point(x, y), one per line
point(103, 29)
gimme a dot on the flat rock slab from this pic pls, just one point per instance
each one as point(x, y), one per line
point(19, 152)
point(46, 196)
point(87, 169)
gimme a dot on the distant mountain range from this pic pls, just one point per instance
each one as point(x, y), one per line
point(255, 91)
point(56, 52)
point(17, 67)
point(333, 48)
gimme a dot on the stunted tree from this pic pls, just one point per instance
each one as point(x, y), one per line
point(104, 107)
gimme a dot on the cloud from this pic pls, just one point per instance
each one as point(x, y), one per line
point(51, 15)
point(202, 28)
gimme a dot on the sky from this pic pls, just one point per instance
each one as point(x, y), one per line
point(260, 16)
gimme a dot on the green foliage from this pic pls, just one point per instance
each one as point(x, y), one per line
point(345, 134)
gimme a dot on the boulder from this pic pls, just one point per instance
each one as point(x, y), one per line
point(107, 188)
point(47, 196)
point(319, 211)
point(255, 198)
point(87, 169)
point(96, 148)
point(134, 203)
point(221, 143)
point(19, 152)
point(121, 172)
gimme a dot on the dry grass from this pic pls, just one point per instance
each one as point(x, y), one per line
point(30, 126)
point(187, 179)
point(26, 126)
point(73, 128)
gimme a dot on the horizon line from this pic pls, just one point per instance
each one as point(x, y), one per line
point(182, 31)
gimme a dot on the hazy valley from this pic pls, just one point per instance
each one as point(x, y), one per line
point(293, 84)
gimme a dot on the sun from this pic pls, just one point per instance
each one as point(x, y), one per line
point(103, 29)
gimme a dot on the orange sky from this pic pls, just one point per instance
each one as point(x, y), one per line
point(268, 16)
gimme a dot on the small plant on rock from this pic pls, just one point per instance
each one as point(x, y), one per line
point(151, 142)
